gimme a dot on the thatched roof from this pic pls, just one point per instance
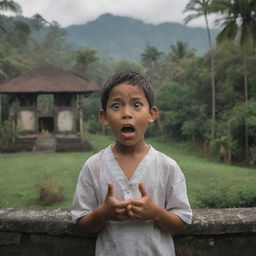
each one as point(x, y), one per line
point(48, 79)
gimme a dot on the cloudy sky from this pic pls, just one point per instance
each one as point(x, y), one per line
point(68, 12)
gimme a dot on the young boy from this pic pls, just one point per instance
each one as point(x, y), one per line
point(133, 195)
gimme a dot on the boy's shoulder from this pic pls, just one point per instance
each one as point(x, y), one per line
point(96, 158)
point(164, 159)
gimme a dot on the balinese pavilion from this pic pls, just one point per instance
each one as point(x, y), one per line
point(46, 109)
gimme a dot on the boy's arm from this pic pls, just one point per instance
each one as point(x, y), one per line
point(111, 209)
point(145, 209)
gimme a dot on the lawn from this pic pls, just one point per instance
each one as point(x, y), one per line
point(210, 184)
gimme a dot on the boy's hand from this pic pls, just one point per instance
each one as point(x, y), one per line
point(113, 209)
point(144, 208)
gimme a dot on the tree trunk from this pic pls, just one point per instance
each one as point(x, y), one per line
point(246, 104)
point(212, 78)
point(81, 121)
point(0, 109)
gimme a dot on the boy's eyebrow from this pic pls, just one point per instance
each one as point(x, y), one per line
point(115, 99)
point(137, 98)
point(120, 98)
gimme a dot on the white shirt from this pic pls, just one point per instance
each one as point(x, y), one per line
point(163, 181)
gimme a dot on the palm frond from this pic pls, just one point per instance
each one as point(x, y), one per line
point(229, 32)
point(9, 5)
point(192, 17)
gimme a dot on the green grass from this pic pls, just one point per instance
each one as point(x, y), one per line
point(210, 184)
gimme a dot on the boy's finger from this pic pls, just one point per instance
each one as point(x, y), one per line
point(121, 211)
point(142, 190)
point(131, 214)
point(110, 190)
point(138, 203)
point(123, 204)
point(135, 210)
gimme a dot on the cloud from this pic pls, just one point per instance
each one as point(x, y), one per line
point(68, 12)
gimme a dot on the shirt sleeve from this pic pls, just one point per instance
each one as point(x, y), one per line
point(85, 200)
point(177, 199)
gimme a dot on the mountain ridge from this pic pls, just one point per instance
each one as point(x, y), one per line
point(117, 37)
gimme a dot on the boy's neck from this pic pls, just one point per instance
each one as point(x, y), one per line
point(129, 157)
point(120, 149)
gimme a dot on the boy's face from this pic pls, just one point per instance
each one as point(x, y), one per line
point(128, 114)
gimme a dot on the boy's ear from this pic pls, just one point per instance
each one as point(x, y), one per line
point(153, 114)
point(103, 117)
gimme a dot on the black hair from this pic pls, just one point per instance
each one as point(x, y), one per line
point(131, 77)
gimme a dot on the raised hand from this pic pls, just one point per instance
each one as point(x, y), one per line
point(113, 209)
point(144, 208)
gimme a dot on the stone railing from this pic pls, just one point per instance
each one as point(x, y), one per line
point(47, 232)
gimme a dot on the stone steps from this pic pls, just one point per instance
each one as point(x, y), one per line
point(45, 143)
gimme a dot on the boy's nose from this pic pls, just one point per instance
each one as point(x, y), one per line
point(126, 114)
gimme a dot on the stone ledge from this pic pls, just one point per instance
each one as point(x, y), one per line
point(57, 221)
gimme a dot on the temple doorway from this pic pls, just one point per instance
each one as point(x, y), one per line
point(45, 125)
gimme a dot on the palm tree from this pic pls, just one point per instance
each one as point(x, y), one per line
point(9, 5)
point(38, 22)
point(149, 59)
point(84, 58)
point(201, 8)
point(238, 21)
point(181, 51)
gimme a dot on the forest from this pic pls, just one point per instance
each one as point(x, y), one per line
point(207, 100)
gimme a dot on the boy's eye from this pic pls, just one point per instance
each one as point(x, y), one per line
point(137, 105)
point(115, 106)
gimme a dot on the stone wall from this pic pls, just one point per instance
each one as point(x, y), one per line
point(41, 232)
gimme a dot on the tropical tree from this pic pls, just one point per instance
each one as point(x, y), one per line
point(238, 21)
point(55, 36)
point(9, 5)
point(38, 22)
point(181, 51)
point(84, 58)
point(123, 64)
point(179, 55)
point(149, 59)
point(201, 8)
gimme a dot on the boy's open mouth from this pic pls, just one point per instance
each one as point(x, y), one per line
point(128, 129)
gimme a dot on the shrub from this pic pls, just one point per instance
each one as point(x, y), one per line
point(7, 132)
point(225, 147)
point(49, 192)
point(227, 198)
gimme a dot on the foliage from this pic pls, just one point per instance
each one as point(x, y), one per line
point(202, 8)
point(49, 192)
point(85, 57)
point(180, 118)
point(222, 197)
point(181, 51)
point(238, 20)
point(91, 106)
point(224, 147)
point(9, 5)
point(185, 108)
point(54, 37)
point(129, 64)
point(7, 133)
point(150, 59)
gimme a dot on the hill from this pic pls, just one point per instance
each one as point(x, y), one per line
point(118, 37)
